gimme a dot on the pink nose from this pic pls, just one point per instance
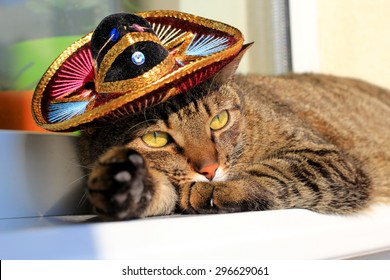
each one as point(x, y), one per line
point(209, 170)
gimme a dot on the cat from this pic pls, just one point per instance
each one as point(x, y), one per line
point(251, 143)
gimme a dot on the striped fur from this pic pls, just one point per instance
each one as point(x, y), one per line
point(299, 141)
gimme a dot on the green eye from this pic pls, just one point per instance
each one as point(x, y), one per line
point(219, 121)
point(156, 139)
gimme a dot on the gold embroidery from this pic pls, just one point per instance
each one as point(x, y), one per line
point(159, 76)
point(39, 90)
point(134, 84)
point(131, 85)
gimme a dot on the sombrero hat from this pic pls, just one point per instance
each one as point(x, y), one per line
point(130, 62)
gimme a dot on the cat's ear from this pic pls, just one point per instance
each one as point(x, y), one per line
point(228, 71)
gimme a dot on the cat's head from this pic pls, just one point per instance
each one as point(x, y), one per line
point(195, 136)
point(192, 137)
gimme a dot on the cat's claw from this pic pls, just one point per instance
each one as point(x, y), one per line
point(211, 202)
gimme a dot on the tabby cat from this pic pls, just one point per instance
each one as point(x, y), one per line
point(253, 143)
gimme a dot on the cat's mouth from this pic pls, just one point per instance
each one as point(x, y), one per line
point(220, 176)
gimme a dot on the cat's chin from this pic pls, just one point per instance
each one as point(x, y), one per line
point(220, 176)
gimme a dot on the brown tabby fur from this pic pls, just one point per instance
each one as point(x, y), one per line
point(297, 141)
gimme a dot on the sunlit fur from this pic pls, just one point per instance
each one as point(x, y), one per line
point(299, 141)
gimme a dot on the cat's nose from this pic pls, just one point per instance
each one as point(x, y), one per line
point(208, 170)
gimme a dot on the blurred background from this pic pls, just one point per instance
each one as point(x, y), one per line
point(341, 37)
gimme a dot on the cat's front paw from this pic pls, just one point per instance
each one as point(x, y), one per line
point(119, 186)
point(210, 198)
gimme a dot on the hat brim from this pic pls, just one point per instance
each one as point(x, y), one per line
point(66, 98)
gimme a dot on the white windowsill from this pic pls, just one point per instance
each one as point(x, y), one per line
point(284, 234)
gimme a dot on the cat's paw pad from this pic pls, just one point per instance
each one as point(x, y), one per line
point(119, 185)
point(123, 176)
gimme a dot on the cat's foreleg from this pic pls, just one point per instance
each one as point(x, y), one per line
point(122, 186)
point(320, 180)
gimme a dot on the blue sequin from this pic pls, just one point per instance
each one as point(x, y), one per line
point(114, 34)
point(138, 58)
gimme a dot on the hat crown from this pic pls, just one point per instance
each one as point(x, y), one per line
point(104, 36)
point(123, 47)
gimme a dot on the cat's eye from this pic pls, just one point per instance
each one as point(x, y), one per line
point(219, 121)
point(156, 139)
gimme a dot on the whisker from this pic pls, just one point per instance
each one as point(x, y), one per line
point(78, 179)
point(86, 167)
point(141, 123)
point(157, 118)
point(213, 79)
point(83, 199)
